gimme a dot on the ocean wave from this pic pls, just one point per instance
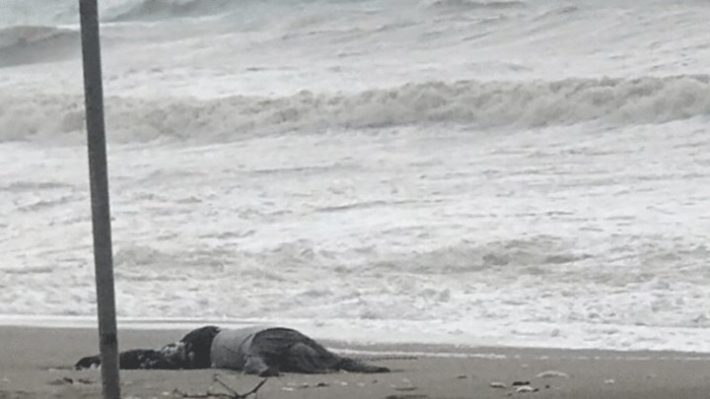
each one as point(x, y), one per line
point(465, 5)
point(41, 12)
point(33, 44)
point(161, 9)
point(536, 255)
point(480, 105)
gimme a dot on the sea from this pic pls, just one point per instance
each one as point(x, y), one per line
point(465, 172)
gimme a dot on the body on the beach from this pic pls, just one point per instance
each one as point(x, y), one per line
point(253, 350)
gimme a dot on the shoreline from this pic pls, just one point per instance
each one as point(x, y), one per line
point(360, 339)
point(36, 363)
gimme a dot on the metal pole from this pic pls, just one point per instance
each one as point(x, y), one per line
point(100, 209)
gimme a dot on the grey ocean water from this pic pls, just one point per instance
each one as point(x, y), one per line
point(456, 171)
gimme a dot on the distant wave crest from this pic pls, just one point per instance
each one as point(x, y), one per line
point(160, 9)
point(463, 5)
point(30, 44)
point(482, 105)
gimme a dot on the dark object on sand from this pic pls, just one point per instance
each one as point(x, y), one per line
point(255, 350)
point(198, 344)
point(191, 352)
point(132, 359)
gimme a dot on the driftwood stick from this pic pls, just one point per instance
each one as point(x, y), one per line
point(256, 388)
point(206, 395)
point(231, 395)
point(216, 379)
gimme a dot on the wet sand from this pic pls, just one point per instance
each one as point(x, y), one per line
point(36, 363)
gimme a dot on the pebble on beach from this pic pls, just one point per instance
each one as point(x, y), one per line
point(553, 374)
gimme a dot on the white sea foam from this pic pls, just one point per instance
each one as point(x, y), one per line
point(479, 105)
point(467, 172)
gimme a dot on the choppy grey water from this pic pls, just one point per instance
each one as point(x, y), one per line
point(475, 172)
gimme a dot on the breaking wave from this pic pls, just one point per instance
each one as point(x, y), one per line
point(481, 105)
point(464, 5)
point(160, 9)
point(17, 12)
point(33, 44)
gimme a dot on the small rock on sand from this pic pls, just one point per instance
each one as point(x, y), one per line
point(525, 389)
point(553, 374)
point(497, 384)
point(405, 389)
point(62, 381)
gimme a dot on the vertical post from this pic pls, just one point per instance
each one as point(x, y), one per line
point(100, 209)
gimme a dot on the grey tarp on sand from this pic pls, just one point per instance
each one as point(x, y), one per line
point(231, 347)
point(270, 350)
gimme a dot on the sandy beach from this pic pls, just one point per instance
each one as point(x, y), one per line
point(36, 363)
